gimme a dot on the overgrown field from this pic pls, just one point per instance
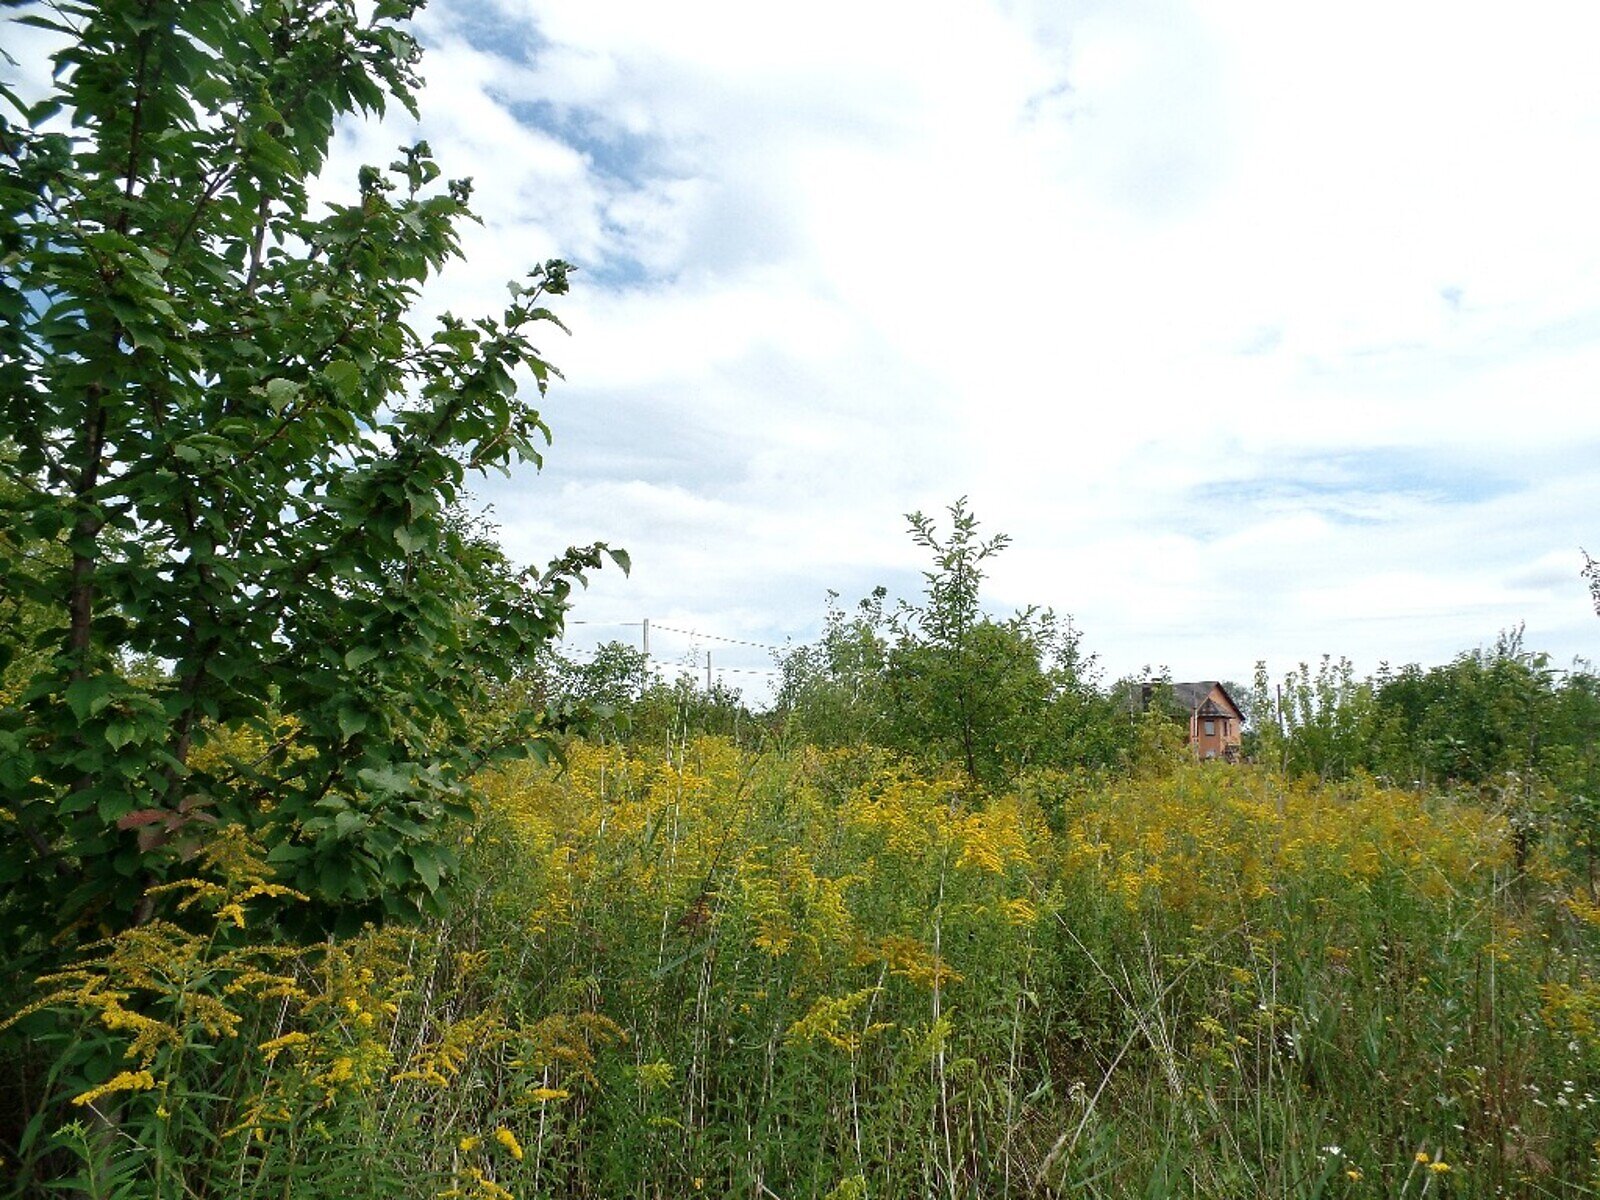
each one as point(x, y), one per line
point(715, 972)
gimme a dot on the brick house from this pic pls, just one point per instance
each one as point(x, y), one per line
point(1215, 721)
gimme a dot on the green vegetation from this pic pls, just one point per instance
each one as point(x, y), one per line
point(298, 898)
point(714, 971)
point(230, 496)
point(941, 680)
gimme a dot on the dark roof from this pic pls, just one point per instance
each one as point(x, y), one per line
point(1194, 695)
point(1187, 697)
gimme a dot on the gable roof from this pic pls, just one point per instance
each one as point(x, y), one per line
point(1196, 697)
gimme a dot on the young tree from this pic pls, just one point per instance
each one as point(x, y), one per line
point(940, 664)
point(1481, 716)
point(995, 695)
point(612, 676)
point(1329, 720)
point(943, 679)
point(831, 692)
point(236, 462)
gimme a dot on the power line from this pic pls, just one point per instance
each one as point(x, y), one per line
point(689, 665)
point(712, 637)
point(657, 664)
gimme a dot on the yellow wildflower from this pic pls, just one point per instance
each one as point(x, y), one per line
point(344, 1067)
point(1020, 911)
point(1439, 1168)
point(469, 1143)
point(272, 1047)
point(654, 1075)
point(125, 1081)
point(509, 1140)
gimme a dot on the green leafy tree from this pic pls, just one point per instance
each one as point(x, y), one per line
point(1572, 764)
point(1263, 739)
point(1329, 720)
point(1161, 724)
point(670, 712)
point(942, 679)
point(237, 462)
point(831, 692)
point(995, 696)
point(1481, 716)
point(611, 677)
point(945, 657)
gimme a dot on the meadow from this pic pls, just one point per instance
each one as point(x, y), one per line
point(307, 889)
point(713, 970)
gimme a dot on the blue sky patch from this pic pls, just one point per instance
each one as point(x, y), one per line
point(1349, 487)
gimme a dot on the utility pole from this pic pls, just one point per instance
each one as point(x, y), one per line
point(708, 672)
point(644, 673)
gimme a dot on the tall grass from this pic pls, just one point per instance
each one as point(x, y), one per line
point(713, 972)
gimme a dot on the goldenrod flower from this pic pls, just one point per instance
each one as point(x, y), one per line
point(125, 1081)
point(272, 1047)
point(509, 1140)
point(1439, 1168)
point(469, 1143)
point(654, 1075)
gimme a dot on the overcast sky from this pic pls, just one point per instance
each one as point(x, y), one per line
point(1265, 330)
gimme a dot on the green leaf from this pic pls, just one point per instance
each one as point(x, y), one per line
point(333, 878)
point(281, 393)
point(351, 721)
point(89, 696)
point(359, 656)
point(410, 538)
point(426, 863)
point(343, 376)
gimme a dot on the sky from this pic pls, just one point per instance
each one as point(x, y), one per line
point(1265, 331)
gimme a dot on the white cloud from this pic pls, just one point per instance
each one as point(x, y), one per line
point(1121, 273)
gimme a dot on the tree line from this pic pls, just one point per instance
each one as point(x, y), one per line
point(939, 680)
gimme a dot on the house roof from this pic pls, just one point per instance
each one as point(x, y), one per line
point(1194, 697)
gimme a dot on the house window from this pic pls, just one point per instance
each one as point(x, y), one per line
point(1211, 728)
